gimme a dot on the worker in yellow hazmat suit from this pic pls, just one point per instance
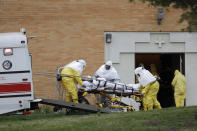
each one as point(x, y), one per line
point(155, 89)
point(73, 71)
point(150, 94)
point(147, 80)
point(179, 84)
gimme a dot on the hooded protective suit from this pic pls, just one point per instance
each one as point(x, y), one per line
point(109, 75)
point(144, 76)
point(179, 84)
point(147, 80)
point(74, 68)
point(77, 65)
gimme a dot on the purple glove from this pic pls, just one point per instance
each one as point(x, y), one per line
point(83, 86)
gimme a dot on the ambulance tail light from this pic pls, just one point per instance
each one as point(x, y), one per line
point(20, 103)
point(8, 51)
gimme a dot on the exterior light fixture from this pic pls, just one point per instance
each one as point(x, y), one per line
point(108, 38)
point(7, 51)
point(160, 15)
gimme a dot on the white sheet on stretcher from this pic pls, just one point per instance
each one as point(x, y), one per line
point(105, 85)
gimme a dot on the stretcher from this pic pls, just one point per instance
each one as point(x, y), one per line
point(117, 95)
point(114, 93)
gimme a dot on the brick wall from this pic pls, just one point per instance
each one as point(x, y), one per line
point(73, 29)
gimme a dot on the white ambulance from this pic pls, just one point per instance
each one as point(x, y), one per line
point(16, 86)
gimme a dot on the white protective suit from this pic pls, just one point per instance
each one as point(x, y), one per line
point(151, 88)
point(73, 69)
point(109, 75)
point(144, 76)
point(77, 65)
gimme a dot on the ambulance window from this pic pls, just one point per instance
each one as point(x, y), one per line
point(8, 51)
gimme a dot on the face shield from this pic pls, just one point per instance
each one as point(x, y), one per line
point(82, 62)
point(138, 71)
point(107, 67)
point(138, 75)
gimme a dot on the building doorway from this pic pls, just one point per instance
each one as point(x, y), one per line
point(166, 64)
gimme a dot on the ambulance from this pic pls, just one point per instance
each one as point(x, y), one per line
point(16, 85)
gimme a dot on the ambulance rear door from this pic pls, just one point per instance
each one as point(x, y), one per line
point(16, 87)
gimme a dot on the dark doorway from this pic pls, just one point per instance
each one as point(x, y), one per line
point(166, 64)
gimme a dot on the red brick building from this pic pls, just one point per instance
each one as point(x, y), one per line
point(67, 30)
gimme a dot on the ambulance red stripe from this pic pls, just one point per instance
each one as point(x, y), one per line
point(15, 87)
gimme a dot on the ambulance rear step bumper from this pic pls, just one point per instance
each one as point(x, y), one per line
point(71, 105)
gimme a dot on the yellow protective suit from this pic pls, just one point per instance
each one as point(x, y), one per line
point(150, 96)
point(179, 84)
point(69, 84)
point(154, 70)
point(156, 103)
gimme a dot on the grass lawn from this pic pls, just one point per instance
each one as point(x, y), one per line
point(166, 119)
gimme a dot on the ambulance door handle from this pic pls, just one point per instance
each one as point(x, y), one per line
point(25, 79)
